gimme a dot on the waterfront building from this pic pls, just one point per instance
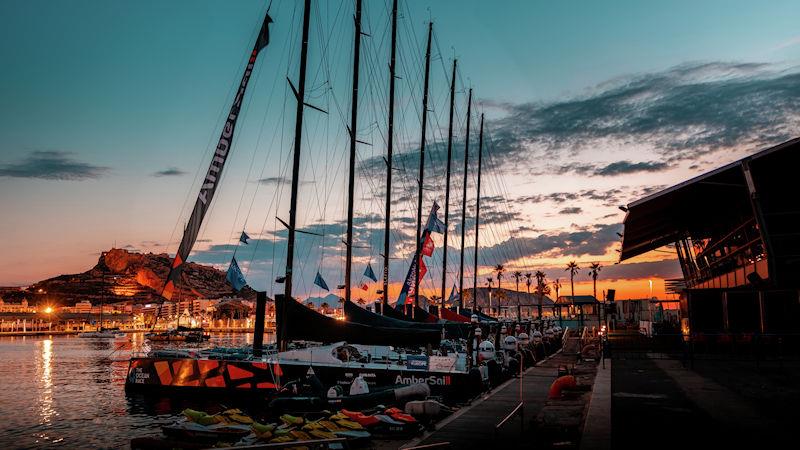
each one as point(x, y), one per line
point(736, 234)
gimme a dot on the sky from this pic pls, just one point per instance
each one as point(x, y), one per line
point(109, 111)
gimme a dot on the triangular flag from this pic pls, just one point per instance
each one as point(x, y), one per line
point(369, 273)
point(321, 282)
point(427, 246)
point(243, 238)
point(453, 296)
point(235, 276)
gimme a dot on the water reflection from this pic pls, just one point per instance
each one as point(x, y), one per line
point(45, 381)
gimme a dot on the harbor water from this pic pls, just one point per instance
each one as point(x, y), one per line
point(69, 392)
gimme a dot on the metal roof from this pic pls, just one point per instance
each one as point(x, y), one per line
point(699, 207)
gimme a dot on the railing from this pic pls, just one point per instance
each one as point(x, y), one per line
point(737, 249)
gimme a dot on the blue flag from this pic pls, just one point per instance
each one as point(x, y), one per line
point(453, 297)
point(369, 273)
point(243, 238)
point(435, 225)
point(235, 276)
point(320, 282)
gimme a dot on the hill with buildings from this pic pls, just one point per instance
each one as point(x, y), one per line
point(120, 275)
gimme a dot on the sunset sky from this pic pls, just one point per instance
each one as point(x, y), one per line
point(109, 111)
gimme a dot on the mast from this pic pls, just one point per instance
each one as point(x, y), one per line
point(418, 253)
point(298, 135)
point(477, 218)
point(447, 183)
point(389, 149)
point(353, 130)
point(464, 205)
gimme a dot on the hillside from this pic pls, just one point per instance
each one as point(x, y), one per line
point(120, 275)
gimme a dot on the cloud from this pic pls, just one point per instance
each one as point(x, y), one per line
point(571, 210)
point(280, 180)
point(169, 172)
point(52, 165)
point(680, 113)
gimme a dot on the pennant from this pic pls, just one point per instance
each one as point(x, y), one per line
point(435, 225)
point(369, 273)
point(319, 281)
point(452, 299)
point(235, 276)
point(427, 246)
point(243, 238)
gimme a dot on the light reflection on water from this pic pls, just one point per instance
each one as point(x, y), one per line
point(65, 391)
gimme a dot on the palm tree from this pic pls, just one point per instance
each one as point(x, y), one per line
point(499, 269)
point(557, 287)
point(541, 289)
point(489, 282)
point(595, 270)
point(572, 268)
point(517, 275)
point(528, 281)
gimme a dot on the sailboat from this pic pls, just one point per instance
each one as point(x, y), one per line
point(102, 332)
point(386, 352)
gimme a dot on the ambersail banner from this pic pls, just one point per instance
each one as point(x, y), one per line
point(214, 173)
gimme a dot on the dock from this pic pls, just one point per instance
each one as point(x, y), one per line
point(476, 426)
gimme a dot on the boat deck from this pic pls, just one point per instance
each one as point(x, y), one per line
point(474, 426)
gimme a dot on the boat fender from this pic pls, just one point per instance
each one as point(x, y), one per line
point(426, 408)
point(413, 392)
point(335, 392)
point(561, 383)
point(359, 386)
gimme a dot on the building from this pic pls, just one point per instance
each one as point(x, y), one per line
point(583, 309)
point(736, 233)
point(504, 302)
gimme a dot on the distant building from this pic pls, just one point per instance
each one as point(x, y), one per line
point(736, 233)
point(504, 302)
point(585, 309)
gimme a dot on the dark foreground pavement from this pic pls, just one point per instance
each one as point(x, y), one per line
point(657, 403)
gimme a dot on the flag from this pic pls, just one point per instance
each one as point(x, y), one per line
point(423, 269)
point(235, 276)
point(435, 225)
point(453, 296)
point(427, 246)
point(369, 273)
point(243, 238)
point(364, 286)
point(321, 282)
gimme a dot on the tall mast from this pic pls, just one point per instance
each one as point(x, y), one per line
point(464, 204)
point(447, 183)
point(418, 253)
point(298, 135)
point(477, 218)
point(389, 150)
point(353, 130)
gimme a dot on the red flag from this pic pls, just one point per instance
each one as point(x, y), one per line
point(423, 269)
point(365, 287)
point(427, 246)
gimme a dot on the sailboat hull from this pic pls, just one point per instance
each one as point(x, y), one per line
point(261, 377)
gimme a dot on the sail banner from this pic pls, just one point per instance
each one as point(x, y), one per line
point(211, 181)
